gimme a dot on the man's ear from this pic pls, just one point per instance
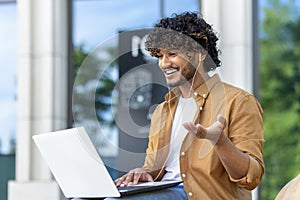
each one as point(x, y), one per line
point(203, 54)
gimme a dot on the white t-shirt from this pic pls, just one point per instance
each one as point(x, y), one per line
point(185, 112)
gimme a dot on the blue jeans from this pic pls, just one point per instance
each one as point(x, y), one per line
point(173, 193)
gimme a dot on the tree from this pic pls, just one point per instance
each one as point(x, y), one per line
point(280, 93)
point(106, 82)
point(84, 90)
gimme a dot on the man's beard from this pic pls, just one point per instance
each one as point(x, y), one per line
point(187, 75)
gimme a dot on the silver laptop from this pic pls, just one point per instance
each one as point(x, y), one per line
point(78, 168)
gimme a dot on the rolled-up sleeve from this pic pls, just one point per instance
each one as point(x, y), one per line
point(246, 132)
point(253, 177)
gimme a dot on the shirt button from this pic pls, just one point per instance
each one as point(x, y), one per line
point(183, 153)
point(201, 108)
point(195, 93)
point(204, 96)
point(183, 175)
point(190, 194)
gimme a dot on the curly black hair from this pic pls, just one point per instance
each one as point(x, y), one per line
point(180, 33)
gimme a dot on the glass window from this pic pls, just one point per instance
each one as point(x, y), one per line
point(96, 21)
point(8, 64)
point(96, 27)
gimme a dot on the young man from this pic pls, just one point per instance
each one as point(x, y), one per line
point(207, 133)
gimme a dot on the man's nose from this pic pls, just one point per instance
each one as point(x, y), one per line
point(165, 62)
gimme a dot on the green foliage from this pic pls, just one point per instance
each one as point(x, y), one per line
point(105, 67)
point(280, 94)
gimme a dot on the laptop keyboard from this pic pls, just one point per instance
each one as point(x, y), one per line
point(131, 187)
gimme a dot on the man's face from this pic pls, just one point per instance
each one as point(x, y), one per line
point(177, 69)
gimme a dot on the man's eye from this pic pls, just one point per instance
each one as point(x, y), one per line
point(172, 54)
point(158, 56)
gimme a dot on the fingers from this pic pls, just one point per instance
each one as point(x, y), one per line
point(147, 177)
point(133, 177)
point(222, 121)
point(124, 180)
point(129, 178)
point(142, 177)
point(120, 180)
point(197, 130)
point(190, 127)
point(201, 132)
point(136, 178)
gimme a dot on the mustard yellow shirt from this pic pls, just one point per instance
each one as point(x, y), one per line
point(201, 169)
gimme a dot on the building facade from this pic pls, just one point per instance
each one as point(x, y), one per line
point(44, 67)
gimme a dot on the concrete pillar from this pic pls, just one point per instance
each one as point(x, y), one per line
point(232, 19)
point(42, 93)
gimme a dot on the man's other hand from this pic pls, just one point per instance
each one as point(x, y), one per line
point(133, 177)
point(212, 133)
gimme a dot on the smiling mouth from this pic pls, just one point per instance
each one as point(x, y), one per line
point(170, 71)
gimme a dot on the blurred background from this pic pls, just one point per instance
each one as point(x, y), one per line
point(92, 30)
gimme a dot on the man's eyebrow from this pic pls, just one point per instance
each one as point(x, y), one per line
point(173, 51)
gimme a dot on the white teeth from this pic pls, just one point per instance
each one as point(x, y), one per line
point(170, 71)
